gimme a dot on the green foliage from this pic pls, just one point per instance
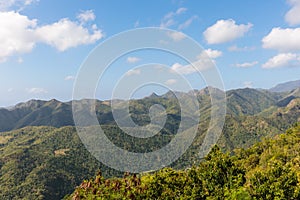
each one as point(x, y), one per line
point(49, 162)
point(219, 176)
point(44, 163)
point(276, 182)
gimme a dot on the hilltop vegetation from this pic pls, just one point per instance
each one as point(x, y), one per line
point(43, 163)
point(268, 170)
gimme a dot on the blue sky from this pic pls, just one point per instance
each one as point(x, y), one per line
point(43, 43)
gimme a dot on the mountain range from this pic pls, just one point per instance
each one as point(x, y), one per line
point(285, 87)
point(42, 157)
point(54, 113)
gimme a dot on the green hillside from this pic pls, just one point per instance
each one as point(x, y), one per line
point(47, 160)
point(43, 163)
point(268, 170)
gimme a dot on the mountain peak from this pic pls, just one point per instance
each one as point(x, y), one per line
point(153, 95)
point(33, 103)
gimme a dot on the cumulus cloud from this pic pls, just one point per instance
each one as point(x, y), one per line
point(282, 60)
point(292, 17)
point(86, 16)
point(204, 61)
point(65, 34)
point(224, 31)
point(168, 19)
point(133, 59)
point(16, 35)
point(36, 91)
point(183, 69)
point(199, 65)
point(19, 34)
point(247, 64)
point(176, 36)
point(211, 53)
point(283, 40)
point(171, 82)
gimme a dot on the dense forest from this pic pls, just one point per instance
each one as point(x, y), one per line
point(267, 170)
point(42, 156)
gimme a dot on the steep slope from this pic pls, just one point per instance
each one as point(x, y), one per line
point(249, 101)
point(43, 163)
point(37, 113)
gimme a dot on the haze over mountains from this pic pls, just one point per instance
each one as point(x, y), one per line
point(287, 86)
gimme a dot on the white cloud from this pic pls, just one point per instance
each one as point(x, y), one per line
point(292, 17)
point(183, 69)
point(133, 59)
point(36, 90)
point(181, 11)
point(282, 60)
point(65, 34)
point(168, 20)
point(28, 2)
point(86, 16)
point(16, 34)
point(171, 82)
point(224, 31)
point(235, 48)
point(200, 65)
point(133, 72)
point(69, 78)
point(283, 40)
point(205, 60)
point(247, 64)
point(176, 36)
point(6, 5)
point(167, 23)
point(19, 34)
point(187, 23)
point(248, 84)
point(210, 53)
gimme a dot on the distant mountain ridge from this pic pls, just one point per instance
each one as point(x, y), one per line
point(286, 87)
point(240, 102)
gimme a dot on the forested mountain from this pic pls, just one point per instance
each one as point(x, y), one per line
point(42, 157)
point(240, 102)
point(44, 163)
point(268, 170)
